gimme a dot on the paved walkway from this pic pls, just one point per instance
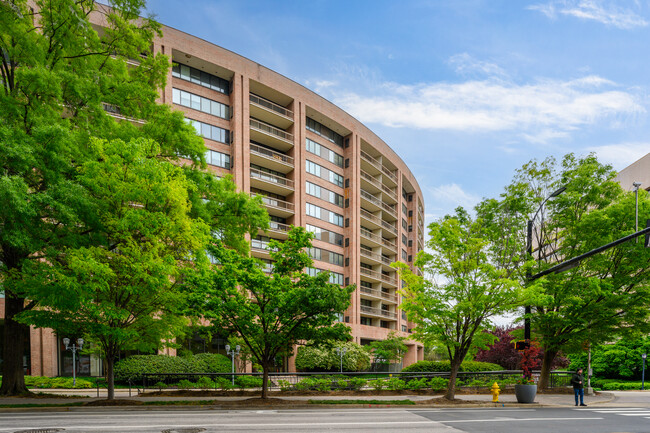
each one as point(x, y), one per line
point(58, 396)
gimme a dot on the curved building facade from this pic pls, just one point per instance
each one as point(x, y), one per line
point(315, 166)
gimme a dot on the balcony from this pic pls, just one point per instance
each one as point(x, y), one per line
point(378, 294)
point(270, 112)
point(267, 158)
point(387, 279)
point(374, 275)
point(269, 134)
point(371, 256)
point(388, 174)
point(281, 230)
point(377, 204)
point(114, 111)
point(378, 312)
point(375, 240)
point(276, 206)
point(270, 182)
point(377, 187)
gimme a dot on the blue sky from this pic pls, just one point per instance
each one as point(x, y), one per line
point(465, 91)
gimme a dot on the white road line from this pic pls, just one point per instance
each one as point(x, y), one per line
point(646, 413)
point(518, 419)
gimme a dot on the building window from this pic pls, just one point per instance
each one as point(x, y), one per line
point(210, 132)
point(324, 173)
point(196, 102)
point(204, 79)
point(218, 159)
point(324, 214)
point(403, 328)
point(325, 256)
point(324, 194)
point(325, 235)
point(324, 152)
point(404, 239)
point(324, 131)
point(366, 321)
point(404, 255)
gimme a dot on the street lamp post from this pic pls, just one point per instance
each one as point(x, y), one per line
point(74, 348)
point(233, 353)
point(341, 352)
point(644, 356)
point(529, 250)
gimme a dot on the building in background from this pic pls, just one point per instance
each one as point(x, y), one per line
point(315, 166)
point(638, 171)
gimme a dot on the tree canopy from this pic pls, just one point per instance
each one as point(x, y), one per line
point(272, 312)
point(60, 78)
point(463, 286)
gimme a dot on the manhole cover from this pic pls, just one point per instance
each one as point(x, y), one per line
point(41, 430)
point(184, 430)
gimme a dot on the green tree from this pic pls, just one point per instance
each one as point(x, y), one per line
point(272, 313)
point(323, 357)
point(58, 74)
point(392, 349)
point(468, 286)
point(123, 291)
point(604, 296)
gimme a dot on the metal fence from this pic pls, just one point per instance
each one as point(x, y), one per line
point(336, 381)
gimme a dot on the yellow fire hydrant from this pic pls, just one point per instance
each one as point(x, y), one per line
point(495, 392)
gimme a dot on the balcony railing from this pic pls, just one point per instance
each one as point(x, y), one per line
point(272, 130)
point(370, 273)
point(379, 166)
point(274, 202)
point(272, 178)
point(271, 106)
point(371, 198)
point(370, 235)
point(389, 279)
point(379, 294)
point(268, 153)
point(374, 218)
point(379, 185)
point(279, 227)
point(371, 255)
point(378, 312)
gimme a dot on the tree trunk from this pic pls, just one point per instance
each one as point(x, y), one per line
point(451, 387)
point(13, 375)
point(547, 362)
point(110, 377)
point(265, 382)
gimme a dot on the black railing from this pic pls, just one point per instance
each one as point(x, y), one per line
point(338, 381)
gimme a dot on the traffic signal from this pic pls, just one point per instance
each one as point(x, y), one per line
point(522, 345)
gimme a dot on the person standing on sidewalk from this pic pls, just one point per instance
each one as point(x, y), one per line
point(578, 382)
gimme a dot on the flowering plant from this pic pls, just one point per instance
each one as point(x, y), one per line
point(527, 362)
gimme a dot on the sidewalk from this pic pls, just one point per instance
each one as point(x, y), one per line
point(63, 397)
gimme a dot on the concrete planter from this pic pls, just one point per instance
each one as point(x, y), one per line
point(525, 393)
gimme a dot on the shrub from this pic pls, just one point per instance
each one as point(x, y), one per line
point(56, 382)
point(438, 383)
point(185, 384)
point(285, 385)
point(306, 384)
point(223, 383)
point(443, 366)
point(248, 381)
point(417, 383)
point(395, 384)
point(377, 384)
point(356, 383)
point(133, 367)
point(205, 383)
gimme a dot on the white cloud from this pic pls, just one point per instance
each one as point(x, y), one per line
point(539, 111)
point(467, 65)
point(622, 154)
point(453, 194)
point(608, 13)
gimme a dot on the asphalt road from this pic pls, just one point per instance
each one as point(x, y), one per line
point(501, 420)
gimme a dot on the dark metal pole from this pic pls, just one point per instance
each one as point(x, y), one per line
point(529, 252)
point(643, 372)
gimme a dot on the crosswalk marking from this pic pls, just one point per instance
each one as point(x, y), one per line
point(623, 411)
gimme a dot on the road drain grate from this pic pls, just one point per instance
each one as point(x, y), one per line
point(40, 430)
point(184, 430)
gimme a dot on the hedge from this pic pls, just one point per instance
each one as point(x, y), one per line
point(443, 366)
point(133, 367)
